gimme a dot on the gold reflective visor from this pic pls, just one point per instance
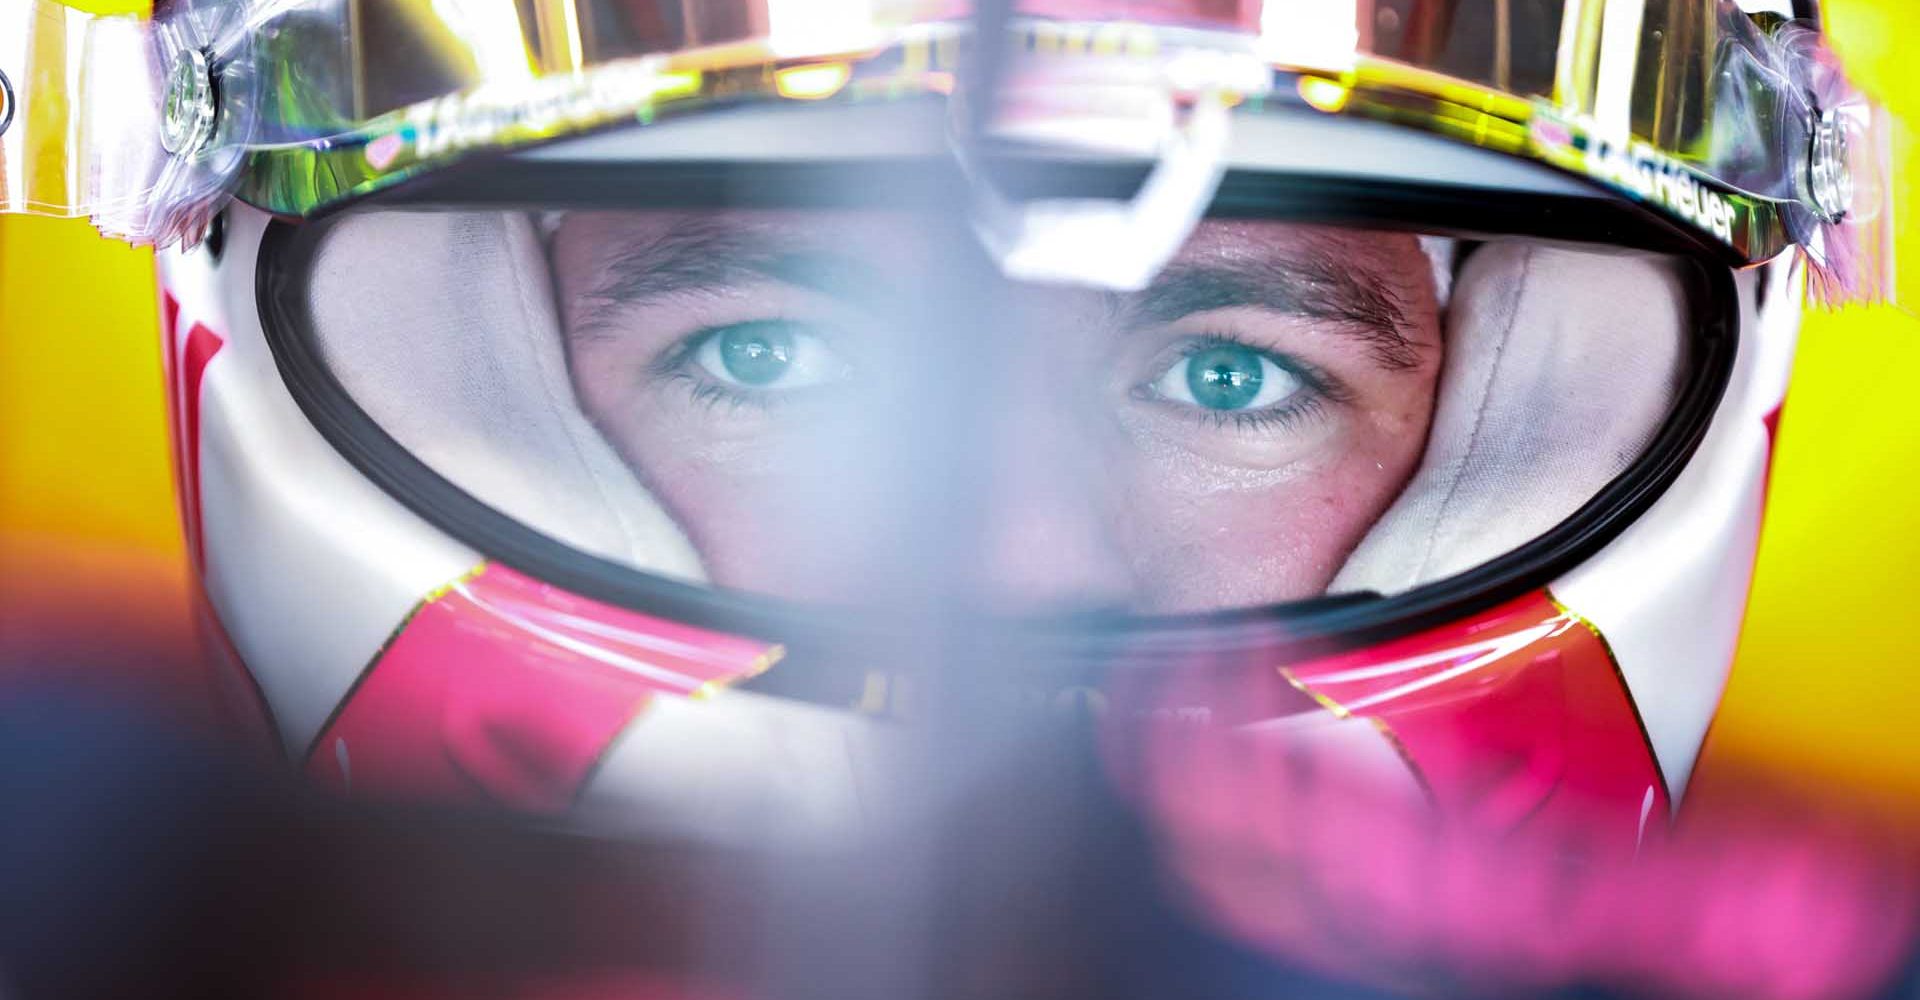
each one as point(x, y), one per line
point(1737, 126)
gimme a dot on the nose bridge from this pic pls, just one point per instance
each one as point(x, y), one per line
point(1049, 538)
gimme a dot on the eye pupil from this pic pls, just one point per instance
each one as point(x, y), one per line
point(1226, 377)
point(756, 353)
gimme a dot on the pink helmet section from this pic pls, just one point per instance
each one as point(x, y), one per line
point(501, 689)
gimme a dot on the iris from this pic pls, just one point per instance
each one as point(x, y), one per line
point(1225, 376)
point(758, 353)
point(758, 359)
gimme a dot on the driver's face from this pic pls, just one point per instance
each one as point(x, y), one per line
point(793, 386)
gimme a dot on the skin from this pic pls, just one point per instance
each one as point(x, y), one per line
point(1040, 428)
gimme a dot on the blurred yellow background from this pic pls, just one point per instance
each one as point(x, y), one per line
point(1825, 694)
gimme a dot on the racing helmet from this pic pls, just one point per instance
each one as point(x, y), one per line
point(645, 411)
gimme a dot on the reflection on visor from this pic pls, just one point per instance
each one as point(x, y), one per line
point(1740, 127)
point(845, 406)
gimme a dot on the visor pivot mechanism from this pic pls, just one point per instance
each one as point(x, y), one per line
point(1829, 176)
point(187, 113)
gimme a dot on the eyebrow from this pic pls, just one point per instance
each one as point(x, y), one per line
point(1312, 287)
point(706, 255)
point(703, 255)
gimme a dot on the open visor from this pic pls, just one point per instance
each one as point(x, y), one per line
point(1739, 127)
point(753, 396)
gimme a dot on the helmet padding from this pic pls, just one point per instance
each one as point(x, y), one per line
point(1560, 366)
point(442, 327)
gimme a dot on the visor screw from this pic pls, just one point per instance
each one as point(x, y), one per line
point(1829, 175)
point(187, 112)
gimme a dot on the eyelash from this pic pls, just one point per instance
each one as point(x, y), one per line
point(711, 395)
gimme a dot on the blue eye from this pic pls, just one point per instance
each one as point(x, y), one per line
point(1227, 378)
point(768, 354)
